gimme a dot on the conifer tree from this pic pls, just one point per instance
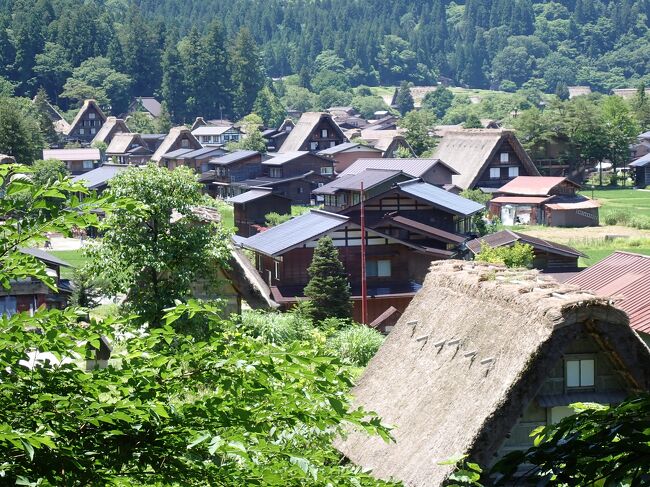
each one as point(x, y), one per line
point(268, 106)
point(328, 289)
point(404, 98)
point(219, 79)
point(172, 82)
point(247, 72)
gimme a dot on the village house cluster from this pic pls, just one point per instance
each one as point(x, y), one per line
point(495, 352)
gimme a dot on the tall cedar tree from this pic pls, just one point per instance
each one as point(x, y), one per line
point(404, 98)
point(219, 102)
point(247, 72)
point(328, 289)
point(172, 82)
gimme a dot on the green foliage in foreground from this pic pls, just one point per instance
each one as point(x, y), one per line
point(517, 255)
point(168, 409)
point(355, 344)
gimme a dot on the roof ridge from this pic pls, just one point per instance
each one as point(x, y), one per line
point(328, 213)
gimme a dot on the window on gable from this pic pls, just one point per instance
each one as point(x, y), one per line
point(91, 115)
point(580, 373)
point(495, 173)
point(505, 157)
point(275, 172)
point(185, 143)
point(314, 145)
point(513, 172)
point(81, 131)
point(93, 131)
point(323, 133)
point(326, 170)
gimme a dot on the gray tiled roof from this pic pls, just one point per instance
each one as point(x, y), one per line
point(369, 178)
point(303, 228)
point(250, 195)
point(441, 198)
point(44, 256)
point(414, 167)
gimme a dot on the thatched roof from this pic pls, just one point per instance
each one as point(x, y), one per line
point(469, 151)
point(88, 104)
point(468, 355)
point(121, 143)
point(112, 126)
point(304, 128)
point(174, 135)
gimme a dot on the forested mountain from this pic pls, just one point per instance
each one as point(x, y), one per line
point(194, 54)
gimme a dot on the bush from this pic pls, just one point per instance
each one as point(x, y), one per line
point(274, 219)
point(277, 328)
point(640, 222)
point(618, 216)
point(355, 345)
point(518, 255)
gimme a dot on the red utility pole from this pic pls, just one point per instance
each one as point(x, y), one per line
point(364, 284)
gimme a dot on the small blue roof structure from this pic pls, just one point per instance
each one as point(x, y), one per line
point(101, 176)
point(233, 157)
point(277, 240)
point(203, 153)
point(176, 153)
point(370, 178)
point(253, 194)
point(440, 198)
point(641, 161)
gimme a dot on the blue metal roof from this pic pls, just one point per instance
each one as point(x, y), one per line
point(101, 175)
point(250, 195)
point(233, 157)
point(641, 161)
point(202, 153)
point(277, 240)
point(441, 198)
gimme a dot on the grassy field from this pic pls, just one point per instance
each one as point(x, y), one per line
point(73, 257)
point(635, 201)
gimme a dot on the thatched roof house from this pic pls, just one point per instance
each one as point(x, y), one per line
point(484, 158)
point(481, 357)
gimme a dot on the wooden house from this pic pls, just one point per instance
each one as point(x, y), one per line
point(177, 138)
point(484, 158)
point(481, 357)
point(314, 132)
point(88, 121)
point(128, 148)
point(196, 159)
point(345, 154)
point(153, 141)
point(432, 171)
point(77, 161)
point(229, 168)
point(345, 191)
point(250, 209)
point(543, 200)
point(561, 260)
point(111, 127)
point(98, 179)
point(275, 137)
point(625, 278)
point(209, 135)
point(27, 295)
point(387, 141)
point(641, 168)
point(146, 104)
point(407, 227)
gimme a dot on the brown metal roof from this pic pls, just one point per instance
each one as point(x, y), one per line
point(626, 278)
point(507, 237)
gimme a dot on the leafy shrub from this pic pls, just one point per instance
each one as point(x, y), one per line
point(518, 255)
point(640, 222)
point(618, 216)
point(274, 219)
point(355, 345)
point(277, 328)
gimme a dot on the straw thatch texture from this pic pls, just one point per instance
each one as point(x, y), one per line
point(465, 359)
point(303, 130)
point(469, 152)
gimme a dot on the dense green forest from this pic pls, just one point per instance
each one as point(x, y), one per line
point(212, 56)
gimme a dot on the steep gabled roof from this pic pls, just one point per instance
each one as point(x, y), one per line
point(149, 103)
point(121, 143)
point(174, 134)
point(508, 237)
point(625, 277)
point(88, 104)
point(304, 128)
point(469, 151)
point(467, 357)
point(534, 185)
point(112, 126)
